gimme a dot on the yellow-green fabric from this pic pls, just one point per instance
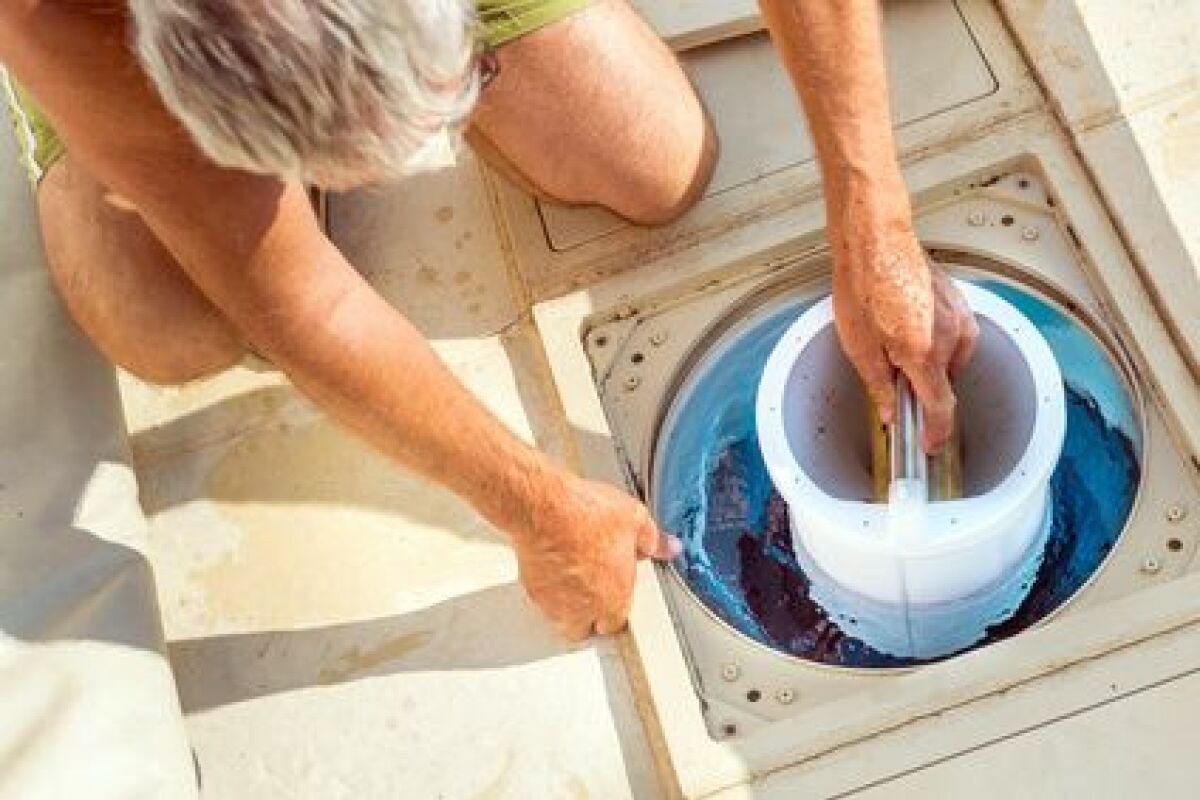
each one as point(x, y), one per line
point(501, 20)
point(505, 20)
point(39, 143)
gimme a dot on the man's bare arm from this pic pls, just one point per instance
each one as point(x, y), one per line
point(250, 243)
point(892, 307)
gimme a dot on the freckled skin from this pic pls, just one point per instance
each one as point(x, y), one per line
point(894, 309)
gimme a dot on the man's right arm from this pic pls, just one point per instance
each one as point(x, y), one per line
point(893, 308)
point(251, 245)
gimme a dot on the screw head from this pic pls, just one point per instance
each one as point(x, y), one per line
point(731, 672)
point(1030, 233)
point(976, 218)
point(1151, 565)
point(786, 696)
point(632, 382)
point(658, 338)
point(1177, 512)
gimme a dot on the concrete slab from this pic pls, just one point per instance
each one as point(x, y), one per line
point(1125, 80)
point(1117, 749)
point(685, 24)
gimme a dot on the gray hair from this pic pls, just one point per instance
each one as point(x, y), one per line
point(324, 91)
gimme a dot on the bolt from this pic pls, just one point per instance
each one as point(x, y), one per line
point(632, 382)
point(1030, 233)
point(731, 672)
point(976, 218)
point(1151, 566)
point(786, 696)
point(1177, 512)
point(658, 338)
point(729, 729)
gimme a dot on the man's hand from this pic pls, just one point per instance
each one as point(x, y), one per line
point(577, 559)
point(895, 310)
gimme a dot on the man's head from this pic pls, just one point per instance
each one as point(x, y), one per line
point(332, 92)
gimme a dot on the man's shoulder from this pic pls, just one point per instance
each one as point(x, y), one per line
point(22, 20)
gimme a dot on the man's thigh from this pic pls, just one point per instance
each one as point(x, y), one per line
point(594, 108)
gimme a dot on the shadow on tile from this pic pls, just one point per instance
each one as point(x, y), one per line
point(250, 449)
point(490, 629)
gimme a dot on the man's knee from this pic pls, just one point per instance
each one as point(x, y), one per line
point(596, 110)
point(123, 288)
point(177, 356)
point(670, 193)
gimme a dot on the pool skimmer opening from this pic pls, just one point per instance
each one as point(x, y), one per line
point(711, 485)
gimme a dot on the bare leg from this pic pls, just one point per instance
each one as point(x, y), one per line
point(123, 288)
point(595, 108)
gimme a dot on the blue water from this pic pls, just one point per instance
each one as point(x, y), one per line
point(712, 489)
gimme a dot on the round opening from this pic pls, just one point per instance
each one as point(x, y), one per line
point(637, 358)
point(710, 486)
point(825, 431)
point(754, 695)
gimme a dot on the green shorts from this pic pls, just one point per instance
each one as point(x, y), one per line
point(38, 143)
point(502, 22)
point(505, 20)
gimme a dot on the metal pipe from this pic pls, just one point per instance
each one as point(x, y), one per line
point(897, 453)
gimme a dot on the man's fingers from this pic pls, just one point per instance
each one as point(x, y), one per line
point(878, 376)
point(933, 390)
point(572, 619)
point(968, 338)
point(575, 630)
point(653, 543)
point(614, 613)
point(612, 623)
point(883, 395)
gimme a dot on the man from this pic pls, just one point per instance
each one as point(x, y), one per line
point(174, 138)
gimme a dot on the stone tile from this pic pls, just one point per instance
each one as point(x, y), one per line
point(274, 516)
point(469, 697)
point(686, 24)
point(1132, 748)
point(1100, 60)
point(1148, 47)
point(428, 245)
point(164, 421)
point(1148, 168)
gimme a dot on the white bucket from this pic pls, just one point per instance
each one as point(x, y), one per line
point(926, 579)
